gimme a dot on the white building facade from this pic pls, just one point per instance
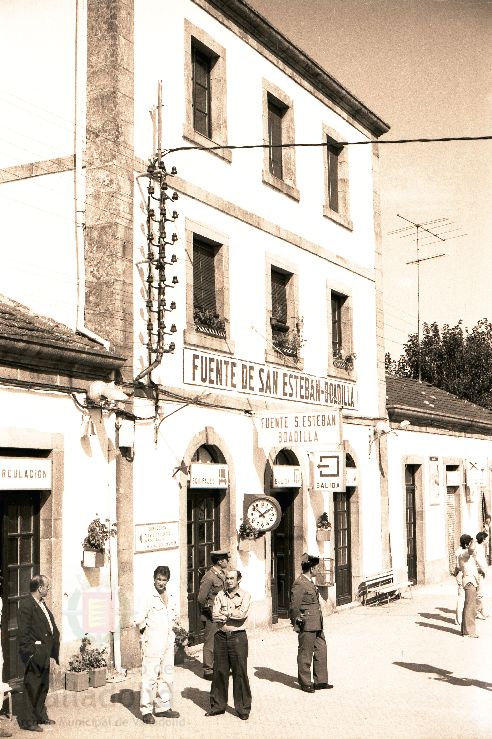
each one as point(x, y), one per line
point(277, 326)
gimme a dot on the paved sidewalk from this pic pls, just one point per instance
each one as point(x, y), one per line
point(401, 670)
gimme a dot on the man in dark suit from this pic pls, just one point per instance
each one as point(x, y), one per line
point(39, 640)
point(307, 620)
point(212, 583)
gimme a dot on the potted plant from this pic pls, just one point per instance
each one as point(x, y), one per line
point(345, 362)
point(98, 534)
point(323, 528)
point(247, 535)
point(181, 640)
point(95, 661)
point(76, 677)
point(209, 322)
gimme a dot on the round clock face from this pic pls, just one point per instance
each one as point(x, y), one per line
point(264, 513)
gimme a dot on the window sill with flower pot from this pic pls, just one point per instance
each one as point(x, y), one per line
point(343, 366)
point(323, 528)
point(94, 545)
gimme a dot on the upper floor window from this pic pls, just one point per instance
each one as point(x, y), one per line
point(341, 361)
point(275, 116)
point(202, 120)
point(284, 324)
point(205, 90)
point(207, 288)
point(279, 162)
point(336, 206)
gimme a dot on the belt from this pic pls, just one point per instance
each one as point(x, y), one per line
point(229, 633)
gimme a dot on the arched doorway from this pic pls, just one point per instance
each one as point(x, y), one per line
point(282, 544)
point(202, 534)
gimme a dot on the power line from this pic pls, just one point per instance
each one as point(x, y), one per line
point(429, 140)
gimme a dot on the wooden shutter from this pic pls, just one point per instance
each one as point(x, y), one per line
point(201, 92)
point(333, 175)
point(275, 115)
point(279, 296)
point(336, 323)
point(204, 296)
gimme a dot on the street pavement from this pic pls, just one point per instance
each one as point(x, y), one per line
point(401, 670)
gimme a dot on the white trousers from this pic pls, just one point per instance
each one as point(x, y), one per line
point(156, 690)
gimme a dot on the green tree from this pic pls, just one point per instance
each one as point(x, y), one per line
point(454, 359)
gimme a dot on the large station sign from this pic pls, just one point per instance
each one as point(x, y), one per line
point(236, 375)
point(299, 429)
point(25, 473)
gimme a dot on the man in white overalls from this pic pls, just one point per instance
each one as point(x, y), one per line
point(155, 621)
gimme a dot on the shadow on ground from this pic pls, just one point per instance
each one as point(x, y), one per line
point(201, 698)
point(437, 617)
point(448, 629)
point(274, 676)
point(445, 675)
point(128, 698)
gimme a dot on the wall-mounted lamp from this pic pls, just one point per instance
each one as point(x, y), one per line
point(106, 394)
point(87, 428)
point(126, 438)
point(382, 428)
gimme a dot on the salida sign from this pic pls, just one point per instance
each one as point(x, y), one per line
point(226, 373)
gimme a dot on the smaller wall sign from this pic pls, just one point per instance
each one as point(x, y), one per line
point(25, 473)
point(209, 475)
point(286, 476)
point(434, 481)
point(152, 536)
point(329, 471)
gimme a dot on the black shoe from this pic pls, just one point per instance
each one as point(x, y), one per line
point(208, 675)
point(307, 688)
point(322, 686)
point(31, 727)
point(148, 719)
point(243, 716)
point(48, 721)
point(214, 713)
point(167, 714)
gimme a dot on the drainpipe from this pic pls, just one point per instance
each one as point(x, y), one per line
point(79, 179)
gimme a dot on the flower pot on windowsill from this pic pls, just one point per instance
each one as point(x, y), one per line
point(77, 681)
point(97, 677)
point(92, 558)
point(179, 654)
point(323, 534)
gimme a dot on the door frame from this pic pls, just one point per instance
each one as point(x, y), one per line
point(349, 493)
point(419, 463)
point(278, 494)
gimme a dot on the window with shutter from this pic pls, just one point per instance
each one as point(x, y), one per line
point(333, 175)
point(337, 302)
point(275, 115)
point(201, 101)
point(279, 297)
point(204, 297)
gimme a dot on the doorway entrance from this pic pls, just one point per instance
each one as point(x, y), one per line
point(203, 536)
point(343, 556)
point(282, 544)
point(411, 520)
point(19, 552)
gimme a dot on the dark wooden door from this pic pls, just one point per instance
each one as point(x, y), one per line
point(343, 560)
point(283, 556)
point(19, 546)
point(411, 521)
point(203, 536)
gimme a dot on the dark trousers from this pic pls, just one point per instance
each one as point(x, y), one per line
point(469, 610)
point(36, 684)
point(312, 649)
point(231, 652)
point(208, 645)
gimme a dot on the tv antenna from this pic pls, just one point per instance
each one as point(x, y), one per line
point(426, 233)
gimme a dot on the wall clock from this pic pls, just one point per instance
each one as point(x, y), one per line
point(264, 513)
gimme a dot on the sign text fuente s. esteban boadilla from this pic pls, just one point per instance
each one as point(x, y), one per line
point(227, 373)
point(299, 429)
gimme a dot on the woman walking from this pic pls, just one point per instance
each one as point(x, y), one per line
point(468, 565)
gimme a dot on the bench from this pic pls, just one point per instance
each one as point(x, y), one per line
point(383, 585)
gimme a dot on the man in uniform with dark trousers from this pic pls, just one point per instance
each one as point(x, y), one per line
point(39, 640)
point(307, 620)
point(212, 582)
point(230, 612)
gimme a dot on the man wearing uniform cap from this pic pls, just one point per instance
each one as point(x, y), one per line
point(212, 583)
point(307, 620)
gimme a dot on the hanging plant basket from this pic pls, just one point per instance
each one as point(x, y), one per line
point(246, 545)
point(93, 558)
point(323, 534)
point(179, 654)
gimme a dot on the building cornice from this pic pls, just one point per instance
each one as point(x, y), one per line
point(250, 21)
point(398, 413)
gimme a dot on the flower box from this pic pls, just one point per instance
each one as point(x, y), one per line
point(179, 654)
point(77, 681)
point(323, 534)
point(92, 558)
point(97, 677)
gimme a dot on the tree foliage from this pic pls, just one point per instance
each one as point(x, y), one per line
point(454, 359)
